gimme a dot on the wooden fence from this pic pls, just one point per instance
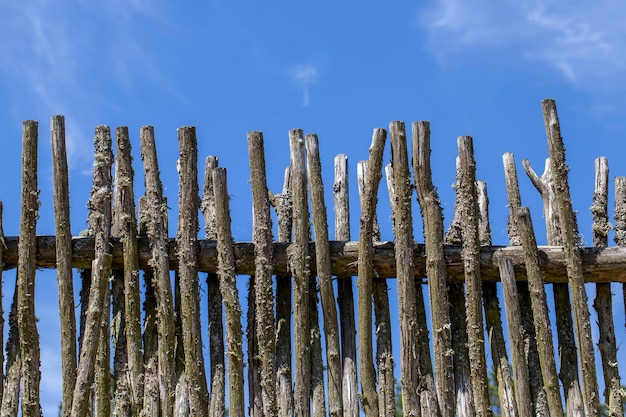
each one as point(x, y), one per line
point(129, 354)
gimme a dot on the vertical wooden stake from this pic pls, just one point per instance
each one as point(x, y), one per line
point(64, 262)
point(327, 294)
point(188, 270)
point(573, 260)
point(366, 274)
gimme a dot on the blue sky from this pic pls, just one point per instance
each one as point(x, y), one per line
point(340, 70)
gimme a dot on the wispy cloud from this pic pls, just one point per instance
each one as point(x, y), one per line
point(305, 75)
point(59, 59)
point(584, 41)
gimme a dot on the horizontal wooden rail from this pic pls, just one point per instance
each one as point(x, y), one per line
point(599, 265)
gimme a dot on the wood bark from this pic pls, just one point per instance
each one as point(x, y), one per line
point(345, 292)
point(620, 220)
point(324, 274)
point(599, 265)
point(255, 399)
point(157, 257)
point(400, 195)
point(217, 404)
point(516, 340)
point(564, 326)
point(603, 302)
point(318, 400)
point(188, 270)
point(382, 321)
point(493, 317)
point(366, 274)
point(436, 267)
point(298, 255)
point(458, 328)
point(128, 229)
point(27, 322)
point(471, 250)
point(64, 262)
point(228, 287)
point(151, 392)
point(100, 220)
point(537, 394)
point(284, 391)
point(262, 238)
point(540, 314)
point(13, 374)
point(573, 259)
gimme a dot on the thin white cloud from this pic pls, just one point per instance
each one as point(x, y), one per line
point(584, 41)
point(58, 58)
point(305, 75)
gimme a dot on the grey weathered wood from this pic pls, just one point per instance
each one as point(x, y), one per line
point(599, 265)
point(543, 330)
point(27, 322)
point(324, 274)
point(537, 396)
point(217, 404)
point(458, 320)
point(255, 399)
point(400, 195)
point(603, 302)
point(284, 391)
point(188, 270)
point(64, 262)
point(366, 274)
point(100, 222)
point(471, 249)
point(124, 180)
point(516, 340)
point(493, 317)
point(230, 294)
point(436, 266)
point(262, 237)
point(13, 374)
point(575, 277)
point(151, 392)
point(564, 326)
point(157, 257)
point(345, 293)
point(318, 400)
point(620, 220)
point(299, 266)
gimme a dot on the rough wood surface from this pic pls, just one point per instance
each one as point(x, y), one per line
point(324, 274)
point(564, 326)
point(345, 292)
point(599, 264)
point(100, 223)
point(64, 262)
point(516, 340)
point(473, 288)
point(188, 270)
point(124, 180)
point(603, 302)
point(157, 256)
point(620, 220)
point(217, 404)
point(27, 322)
point(13, 374)
point(228, 287)
point(537, 396)
point(284, 391)
point(573, 259)
point(436, 267)
point(400, 194)
point(366, 274)
point(263, 280)
point(299, 262)
point(540, 314)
